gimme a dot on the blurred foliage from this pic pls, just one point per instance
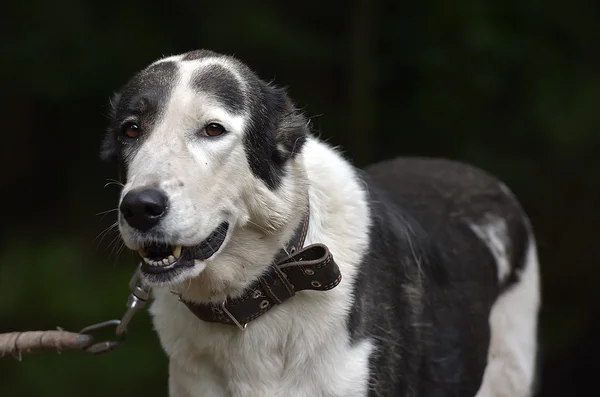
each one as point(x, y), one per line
point(511, 86)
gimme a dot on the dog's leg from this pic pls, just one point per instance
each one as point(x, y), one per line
point(510, 370)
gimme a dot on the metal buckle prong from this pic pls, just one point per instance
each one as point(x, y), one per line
point(232, 317)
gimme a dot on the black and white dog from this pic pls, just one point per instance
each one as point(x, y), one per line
point(280, 270)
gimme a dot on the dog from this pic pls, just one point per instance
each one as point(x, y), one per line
point(278, 269)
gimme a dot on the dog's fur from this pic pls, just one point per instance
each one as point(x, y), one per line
point(439, 295)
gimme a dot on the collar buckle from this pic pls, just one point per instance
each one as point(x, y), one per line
point(232, 317)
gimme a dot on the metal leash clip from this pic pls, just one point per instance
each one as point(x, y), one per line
point(137, 300)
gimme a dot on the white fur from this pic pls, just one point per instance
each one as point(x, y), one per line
point(510, 370)
point(495, 234)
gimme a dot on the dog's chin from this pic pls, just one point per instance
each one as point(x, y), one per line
point(165, 264)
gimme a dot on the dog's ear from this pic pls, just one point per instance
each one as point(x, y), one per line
point(291, 128)
point(109, 149)
point(276, 133)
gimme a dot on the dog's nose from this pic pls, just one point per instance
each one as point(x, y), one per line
point(143, 208)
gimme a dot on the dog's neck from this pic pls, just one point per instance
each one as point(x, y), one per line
point(295, 268)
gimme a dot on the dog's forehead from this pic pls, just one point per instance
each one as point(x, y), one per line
point(219, 77)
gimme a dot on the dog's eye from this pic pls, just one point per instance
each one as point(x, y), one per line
point(131, 130)
point(213, 129)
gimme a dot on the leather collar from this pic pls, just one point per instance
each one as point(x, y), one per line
point(294, 269)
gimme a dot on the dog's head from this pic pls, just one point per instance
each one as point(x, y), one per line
point(208, 151)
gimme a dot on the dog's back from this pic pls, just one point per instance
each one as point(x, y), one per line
point(449, 290)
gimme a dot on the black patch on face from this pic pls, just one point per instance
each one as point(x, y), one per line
point(140, 101)
point(221, 84)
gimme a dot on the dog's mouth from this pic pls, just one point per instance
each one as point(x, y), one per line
point(160, 255)
point(164, 258)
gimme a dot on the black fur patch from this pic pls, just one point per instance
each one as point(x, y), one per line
point(276, 134)
point(221, 84)
point(141, 101)
point(425, 290)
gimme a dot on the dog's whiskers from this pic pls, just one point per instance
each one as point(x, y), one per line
point(114, 182)
point(221, 233)
point(107, 211)
point(105, 232)
point(120, 249)
point(262, 229)
point(211, 247)
point(116, 245)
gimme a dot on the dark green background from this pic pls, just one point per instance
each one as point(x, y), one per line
point(511, 86)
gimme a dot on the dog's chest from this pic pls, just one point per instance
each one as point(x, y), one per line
point(273, 357)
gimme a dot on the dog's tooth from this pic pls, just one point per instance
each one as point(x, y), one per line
point(148, 261)
point(171, 259)
point(165, 261)
point(177, 251)
point(156, 263)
